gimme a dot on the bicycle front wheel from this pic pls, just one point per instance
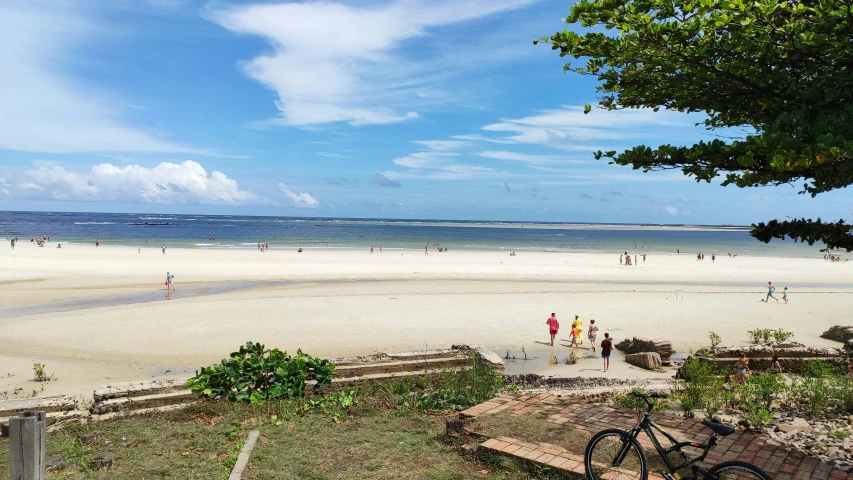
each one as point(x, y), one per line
point(735, 470)
point(613, 455)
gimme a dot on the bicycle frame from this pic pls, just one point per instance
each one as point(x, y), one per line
point(647, 425)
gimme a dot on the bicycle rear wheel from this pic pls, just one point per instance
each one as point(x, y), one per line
point(735, 470)
point(613, 455)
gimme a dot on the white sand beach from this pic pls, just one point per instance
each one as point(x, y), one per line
point(119, 324)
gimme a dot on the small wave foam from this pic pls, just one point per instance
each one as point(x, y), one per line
point(94, 223)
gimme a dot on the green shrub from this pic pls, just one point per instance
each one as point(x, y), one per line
point(760, 390)
point(820, 369)
point(756, 415)
point(714, 339)
point(255, 374)
point(814, 393)
point(630, 401)
point(699, 386)
point(844, 393)
point(780, 335)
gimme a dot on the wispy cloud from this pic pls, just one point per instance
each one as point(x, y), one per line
point(45, 109)
point(341, 63)
point(524, 157)
point(332, 155)
point(383, 181)
point(569, 128)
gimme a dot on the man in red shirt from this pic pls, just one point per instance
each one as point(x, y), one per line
point(606, 348)
point(553, 326)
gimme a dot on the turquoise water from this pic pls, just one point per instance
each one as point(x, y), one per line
point(235, 232)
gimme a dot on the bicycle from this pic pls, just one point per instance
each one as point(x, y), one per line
point(615, 454)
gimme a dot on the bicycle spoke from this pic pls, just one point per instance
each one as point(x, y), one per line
point(605, 455)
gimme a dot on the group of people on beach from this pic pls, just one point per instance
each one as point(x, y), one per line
point(627, 259)
point(577, 336)
point(771, 289)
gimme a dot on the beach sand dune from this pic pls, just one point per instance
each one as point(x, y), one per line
point(351, 302)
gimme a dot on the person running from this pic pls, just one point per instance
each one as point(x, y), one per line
point(553, 326)
point(578, 323)
point(785, 294)
point(606, 348)
point(170, 281)
point(592, 334)
point(770, 290)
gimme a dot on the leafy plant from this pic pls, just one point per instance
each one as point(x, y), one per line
point(714, 339)
point(814, 393)
point(255, 374)
point(699, 386)
point(781, 335)
point(40, 373)
point(760, 389)
point(755, 336)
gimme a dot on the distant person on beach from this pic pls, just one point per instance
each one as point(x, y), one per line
point(163, 248)
point(606, 348)
point(170, 285)
point(678, 251)
point(578, 323)
point(644, 258)
point(426, 250)
point(553, 326)
point(770, 290)
point(59, 245)
point(713, 258)
point(593, 333)
point(13, 244)
point(98, 241)
point(635, 260)
point(371, 249)
point(620, 259)
point(785, 294)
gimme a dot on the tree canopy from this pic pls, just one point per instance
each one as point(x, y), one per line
point(783, 71)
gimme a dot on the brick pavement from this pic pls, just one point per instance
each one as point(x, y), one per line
point(782, 463)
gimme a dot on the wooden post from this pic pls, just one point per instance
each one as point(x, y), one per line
point(27, 446)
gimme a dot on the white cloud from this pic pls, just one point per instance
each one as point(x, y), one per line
point(569, 128)
point(524, 157)
point(443, 145)
point(340, 63)
point(300, 199)
point(43, 108)
point(383, 181)
point(169, 183)
point(671, 210)
point(481, 138)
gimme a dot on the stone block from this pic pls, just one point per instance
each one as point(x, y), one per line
point(647, 360)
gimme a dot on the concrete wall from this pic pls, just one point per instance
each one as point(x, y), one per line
point(160, 395)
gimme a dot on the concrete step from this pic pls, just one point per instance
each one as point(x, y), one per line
point(355, 370)
point(139, 389)
point(144, 402)
point(58, 403)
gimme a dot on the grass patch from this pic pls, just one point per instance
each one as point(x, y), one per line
point(202, 442)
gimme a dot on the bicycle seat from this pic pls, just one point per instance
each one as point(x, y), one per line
point(722, 430)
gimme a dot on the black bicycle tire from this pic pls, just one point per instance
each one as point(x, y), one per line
point(739, 465)
point(587, 454)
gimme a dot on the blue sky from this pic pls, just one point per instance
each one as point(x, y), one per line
point(395, 109)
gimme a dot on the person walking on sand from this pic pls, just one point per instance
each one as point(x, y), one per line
point(770, 290)
point(170, 281)
point(553, 326)
point(593, 333)
point(713, 258)
point(371, 249)
point(575, 335)
point(578, 323)
point(742, 369)
point(163, 248)
point(606, 348)
point(785, 294)
point(620, 259)
point(426, 250)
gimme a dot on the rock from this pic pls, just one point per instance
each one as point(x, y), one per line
point(797, 424)
point(647, 360)
point(848, 346)
point(90, 437)
point(660, 346)
point(839, 333)
point(57, 463)
point(102, 462)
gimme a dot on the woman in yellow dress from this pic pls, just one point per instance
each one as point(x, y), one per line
point(578, 323)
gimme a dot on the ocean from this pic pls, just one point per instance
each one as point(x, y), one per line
point(236, 232)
